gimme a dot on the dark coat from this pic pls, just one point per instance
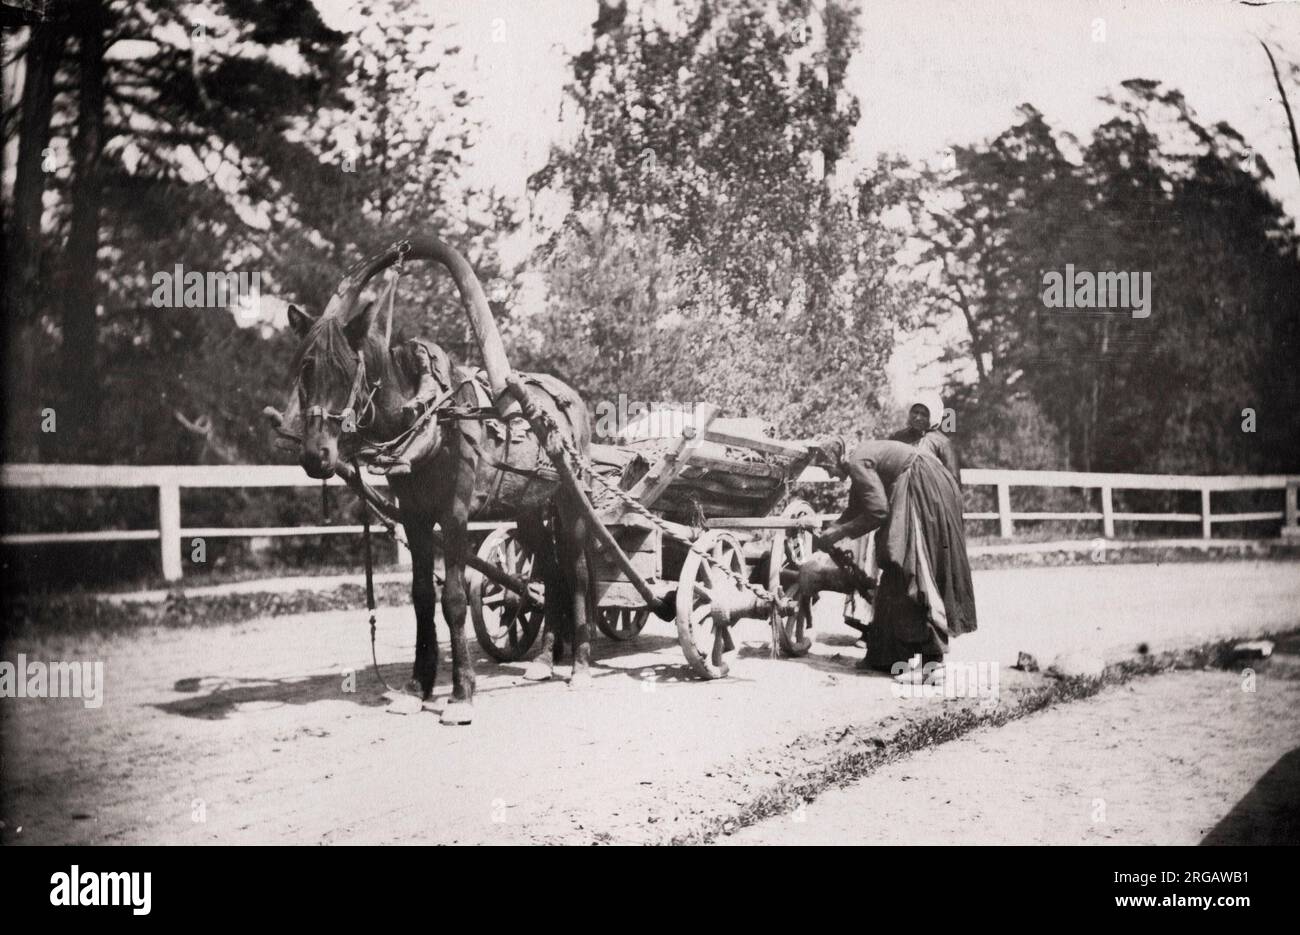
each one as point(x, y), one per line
point(935, 442)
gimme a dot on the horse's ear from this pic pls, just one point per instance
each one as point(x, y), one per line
point(358, 327)
point(300, 321)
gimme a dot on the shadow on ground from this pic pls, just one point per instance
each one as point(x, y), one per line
point(1269, 813)
point(213, 697)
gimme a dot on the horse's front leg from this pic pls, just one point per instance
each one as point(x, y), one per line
point(459, 709)
point(424, 597)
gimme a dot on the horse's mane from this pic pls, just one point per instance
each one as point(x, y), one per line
point(325, 345)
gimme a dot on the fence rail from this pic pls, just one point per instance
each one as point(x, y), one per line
point(169, 480)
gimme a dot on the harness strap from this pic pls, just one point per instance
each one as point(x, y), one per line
point(349, 418)
point(370, 573)
point(533, 474)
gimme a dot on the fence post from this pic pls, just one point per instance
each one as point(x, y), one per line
point(1290, 527)
point(169, 528)
point(403, 554)
point(1006, 529)
point(1206, 528)
point(1107, 513)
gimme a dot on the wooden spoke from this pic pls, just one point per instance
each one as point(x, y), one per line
point(791, 548)
point(622, 623)
point(505, 630)
point(705, 644)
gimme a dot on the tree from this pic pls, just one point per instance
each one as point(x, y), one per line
point(235, 136)
point(709, 140)
point(1154, 192)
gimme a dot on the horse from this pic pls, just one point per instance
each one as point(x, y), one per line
point(356, 393)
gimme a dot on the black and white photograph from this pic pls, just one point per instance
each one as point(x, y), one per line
point(652, 422)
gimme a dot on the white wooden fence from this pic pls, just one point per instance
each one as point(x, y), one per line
point(168, 480)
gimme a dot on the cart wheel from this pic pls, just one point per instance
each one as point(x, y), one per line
point(790, 549)
point(703, 643)
point(504, 630)
point(622, 623)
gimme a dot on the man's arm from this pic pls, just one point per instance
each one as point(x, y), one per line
point(868, 506)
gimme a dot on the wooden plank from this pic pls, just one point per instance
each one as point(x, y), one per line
point(1005, 526)
point(169, 530)
point(751, 522)
point(1059, 516)
point(732, 468)
point(235, 532)
point(684, 486)
point(639, 545)
point(1087, 480)
point(287, 475)
point(188, 475)
point(1085, 545)
point(1247, 517)
point(1157, 517)
point(711, 506)
point(649, 488)
point(229, 532)
point(623, 594)
point(768, 445)
point(55, 538)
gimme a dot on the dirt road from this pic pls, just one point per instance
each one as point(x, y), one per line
point(1170, 759)
point(246, 733)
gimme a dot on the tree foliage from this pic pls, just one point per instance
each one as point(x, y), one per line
point(1153, 191)
point(228, 136)
point(757, 278)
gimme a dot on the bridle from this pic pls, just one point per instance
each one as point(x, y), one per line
point(350, 419)
point(358, 412)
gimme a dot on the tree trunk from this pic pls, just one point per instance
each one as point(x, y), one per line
point(80, 371)
point(1286, 106)
point(25, 295)
point(41, 62)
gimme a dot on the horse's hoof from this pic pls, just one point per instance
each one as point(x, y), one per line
point(404, 704)
point(457, 712)
point(539, 671)
point(580, 679)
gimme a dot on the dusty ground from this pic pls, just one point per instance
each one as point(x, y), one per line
point(244, 733)
point(1169, 759)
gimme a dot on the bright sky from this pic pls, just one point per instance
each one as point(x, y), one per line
point(930, 73)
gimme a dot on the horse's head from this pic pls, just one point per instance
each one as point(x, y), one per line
point(338, 349)
point(334, 390)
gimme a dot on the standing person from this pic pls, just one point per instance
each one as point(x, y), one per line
point(922, 431)
point(924, 597)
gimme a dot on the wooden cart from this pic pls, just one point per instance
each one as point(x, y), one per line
point(696, 516)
